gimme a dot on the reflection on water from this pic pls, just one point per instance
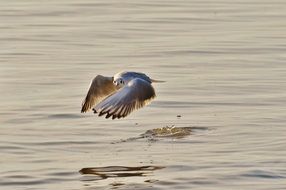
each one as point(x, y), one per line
point(118, 171)
point(121, 175)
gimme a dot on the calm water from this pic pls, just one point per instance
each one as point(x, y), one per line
point(224, 63)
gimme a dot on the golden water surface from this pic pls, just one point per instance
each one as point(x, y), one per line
point(225, 95)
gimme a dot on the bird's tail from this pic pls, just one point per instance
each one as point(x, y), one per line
point(153, 80)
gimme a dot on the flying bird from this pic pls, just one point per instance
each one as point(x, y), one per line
point(119, 95)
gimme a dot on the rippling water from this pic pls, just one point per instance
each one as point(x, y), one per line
point(224, 63)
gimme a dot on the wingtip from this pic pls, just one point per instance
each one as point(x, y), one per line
point(108, 116)
point(84, 108)
point(101, 113)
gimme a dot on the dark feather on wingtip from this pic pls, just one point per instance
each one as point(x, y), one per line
point(108, 116)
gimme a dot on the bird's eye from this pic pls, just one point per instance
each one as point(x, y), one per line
point(121, 81)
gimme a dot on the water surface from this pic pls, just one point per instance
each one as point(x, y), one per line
point(224, 63)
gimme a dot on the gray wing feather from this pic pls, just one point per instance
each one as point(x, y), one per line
point(100, 88)
point(134, 95)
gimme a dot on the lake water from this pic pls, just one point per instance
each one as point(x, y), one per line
point(225, 67)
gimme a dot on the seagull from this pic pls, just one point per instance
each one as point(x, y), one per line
point(119, 95)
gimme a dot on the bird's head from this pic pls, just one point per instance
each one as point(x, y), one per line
point(119, 82)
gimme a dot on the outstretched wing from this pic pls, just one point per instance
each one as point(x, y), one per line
point(134, 95)
point(100, 87)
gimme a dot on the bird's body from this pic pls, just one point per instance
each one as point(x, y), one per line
point(118, 96)
point(127, 76)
